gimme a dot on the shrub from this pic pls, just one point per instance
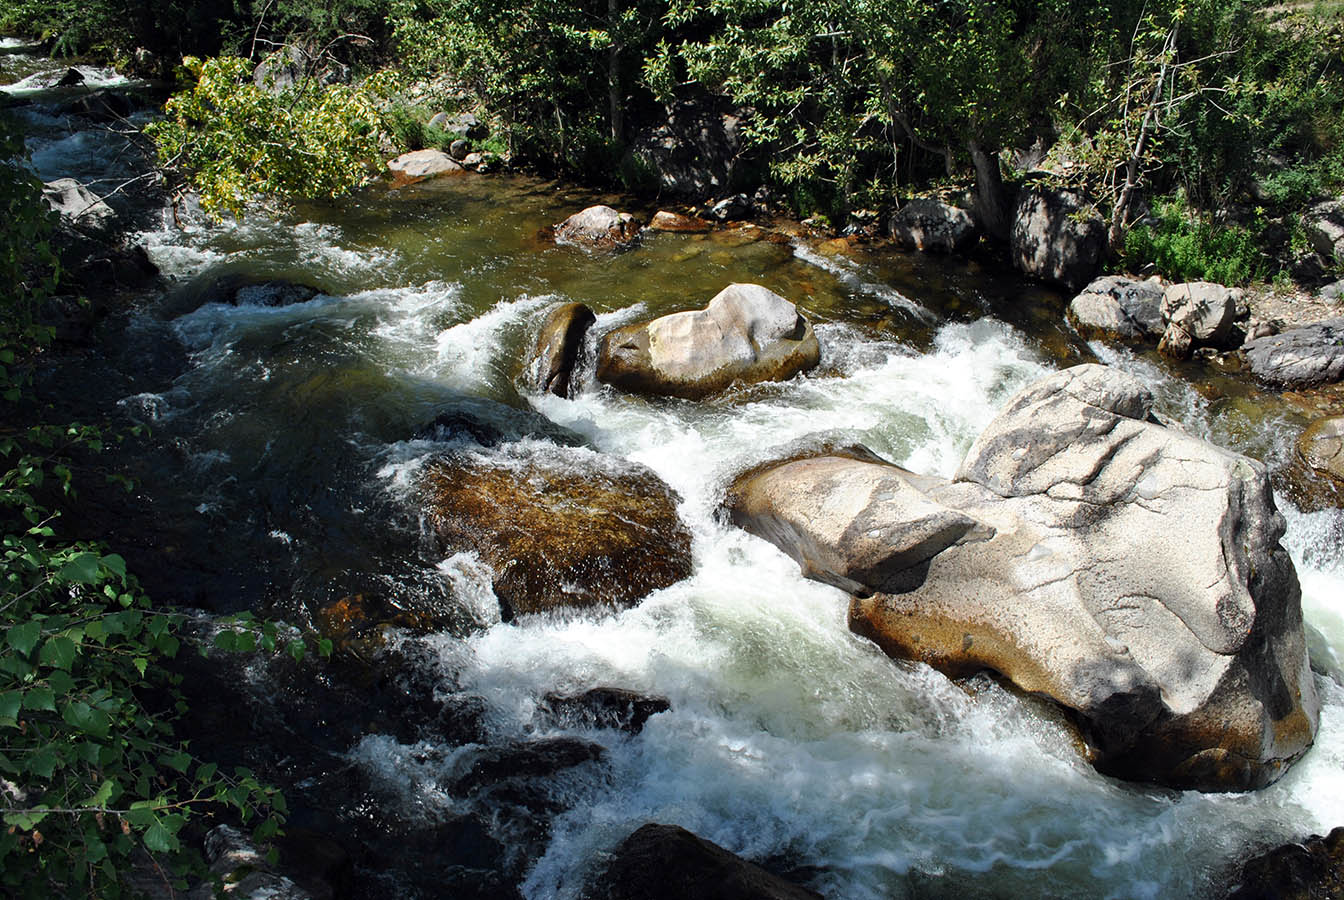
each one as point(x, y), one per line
point(1184, 246)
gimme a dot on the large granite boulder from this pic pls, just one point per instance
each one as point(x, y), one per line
point(1056, 237)
point(421, 165)
point(559, 527)
point(1128, 571)
point(1199, 314)
point(599, 228)
point(1324, 226)
point(559, 340)
point(667, 862)
point(1118, 308)
point(931, 225)
point(747, 334)
point(1300, 357)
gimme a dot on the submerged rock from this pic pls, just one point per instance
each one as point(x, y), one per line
point(747, 333)
point(1321, 446)
point(551, 364)
point(1055, 238)
point(1311, 870)
point(931, 225)
point(676, 222)
point(559, 527)
point(667, 862)
point(1126, 570)
point(1118, 308)
point(599, 228)
point(1301, 357)
point(604, 707)
point(419, 165)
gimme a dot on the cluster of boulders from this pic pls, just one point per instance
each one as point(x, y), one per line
point(462, 133)
point(1182, 318)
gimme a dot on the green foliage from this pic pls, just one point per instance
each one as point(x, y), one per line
point(1182, 245)
point(90, 768)
point(233, 140)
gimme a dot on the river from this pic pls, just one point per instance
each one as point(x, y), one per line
point(281, 472)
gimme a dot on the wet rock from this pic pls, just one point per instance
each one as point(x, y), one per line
point(666, 862)
point(746, 334)
point(1311, 870)
point(1324, 227)
point(857, 524)
point(694, 153)
point(931, 225)
point(526, 760)
point(1203, 310)
point(1321, 446)
point(78, 207)
point(1189, 669)
point(604, 707)
point(99, 106)
point(1118, 308)
point(273, 293)
point(1056, 237)
point(419, 165)
point(71, 78)
point(560, 528)
point(676, 222)
point(559, 340)
point(1300, 357)
point(489, 424)
point(599, 228)
point(244, 868)
point(738, 206)
point(1176, 343)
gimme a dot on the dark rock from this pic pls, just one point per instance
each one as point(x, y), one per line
point(461, 125)
point(599, 228)
point(99, 106)
point(604, 707)
point(273, 293)
point(1176, 343)
point(1311, 870)
point(931, 225)
point(315, 862)
point(1301, 357)
point(526, 760)
point(666, 862)
point(559, 340)
point(746, 334)
point(560, 528)
point(235, 859)
point(1056, 237)
point(696, 152)
point(1118, 308)
point(738, 206)
point(71, 78)
point(459, 149)
point(491, 424)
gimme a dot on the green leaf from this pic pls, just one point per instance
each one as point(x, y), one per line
point(160, 840)
point(296, 649)
point(100, 796)
point(9, 706)
point(40, 697)
point(24, 637)
point(59, 652)
point(43, 762)
point(82, 569)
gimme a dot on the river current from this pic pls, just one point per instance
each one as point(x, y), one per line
point(285, 438)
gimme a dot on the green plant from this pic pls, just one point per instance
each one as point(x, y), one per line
point(233, 141)
point(1182, 245)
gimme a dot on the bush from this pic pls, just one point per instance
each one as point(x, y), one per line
point(1184, 246)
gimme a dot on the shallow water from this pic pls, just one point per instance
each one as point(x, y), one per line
point(285, 452)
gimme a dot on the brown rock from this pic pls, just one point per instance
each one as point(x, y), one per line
point(420, 165)
point(560, 527)
point(1311, 870)
point(666, 862)
point(676, 222)
point(1176, 342)
point(1321, 446)
point(599, 228)
point(559, 341)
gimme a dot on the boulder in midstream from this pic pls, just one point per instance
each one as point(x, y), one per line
point(746, 334)
point(598, 228)
point(1126, 570)
point(550, 366)
point(559, 527)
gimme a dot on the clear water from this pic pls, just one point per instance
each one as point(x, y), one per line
point(285, 437)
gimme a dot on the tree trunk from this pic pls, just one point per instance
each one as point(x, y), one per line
point(614, 73)
point(991, 197)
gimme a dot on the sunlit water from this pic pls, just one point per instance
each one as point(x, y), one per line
point(292, 431)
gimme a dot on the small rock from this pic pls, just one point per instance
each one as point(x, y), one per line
point(1176, 342)
point(1324, 226)
point(71, 78)
point(526, 759)
point(738, 206)
point(473, 160)
point(459, 149)
point(1321, 446)
point(419, 165)
point(599, 228)
point(666, 862)
point(1206, 311)
point(1333, 291)
point(605, 707)
point(676, 222)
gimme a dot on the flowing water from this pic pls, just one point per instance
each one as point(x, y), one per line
point(281, 473)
